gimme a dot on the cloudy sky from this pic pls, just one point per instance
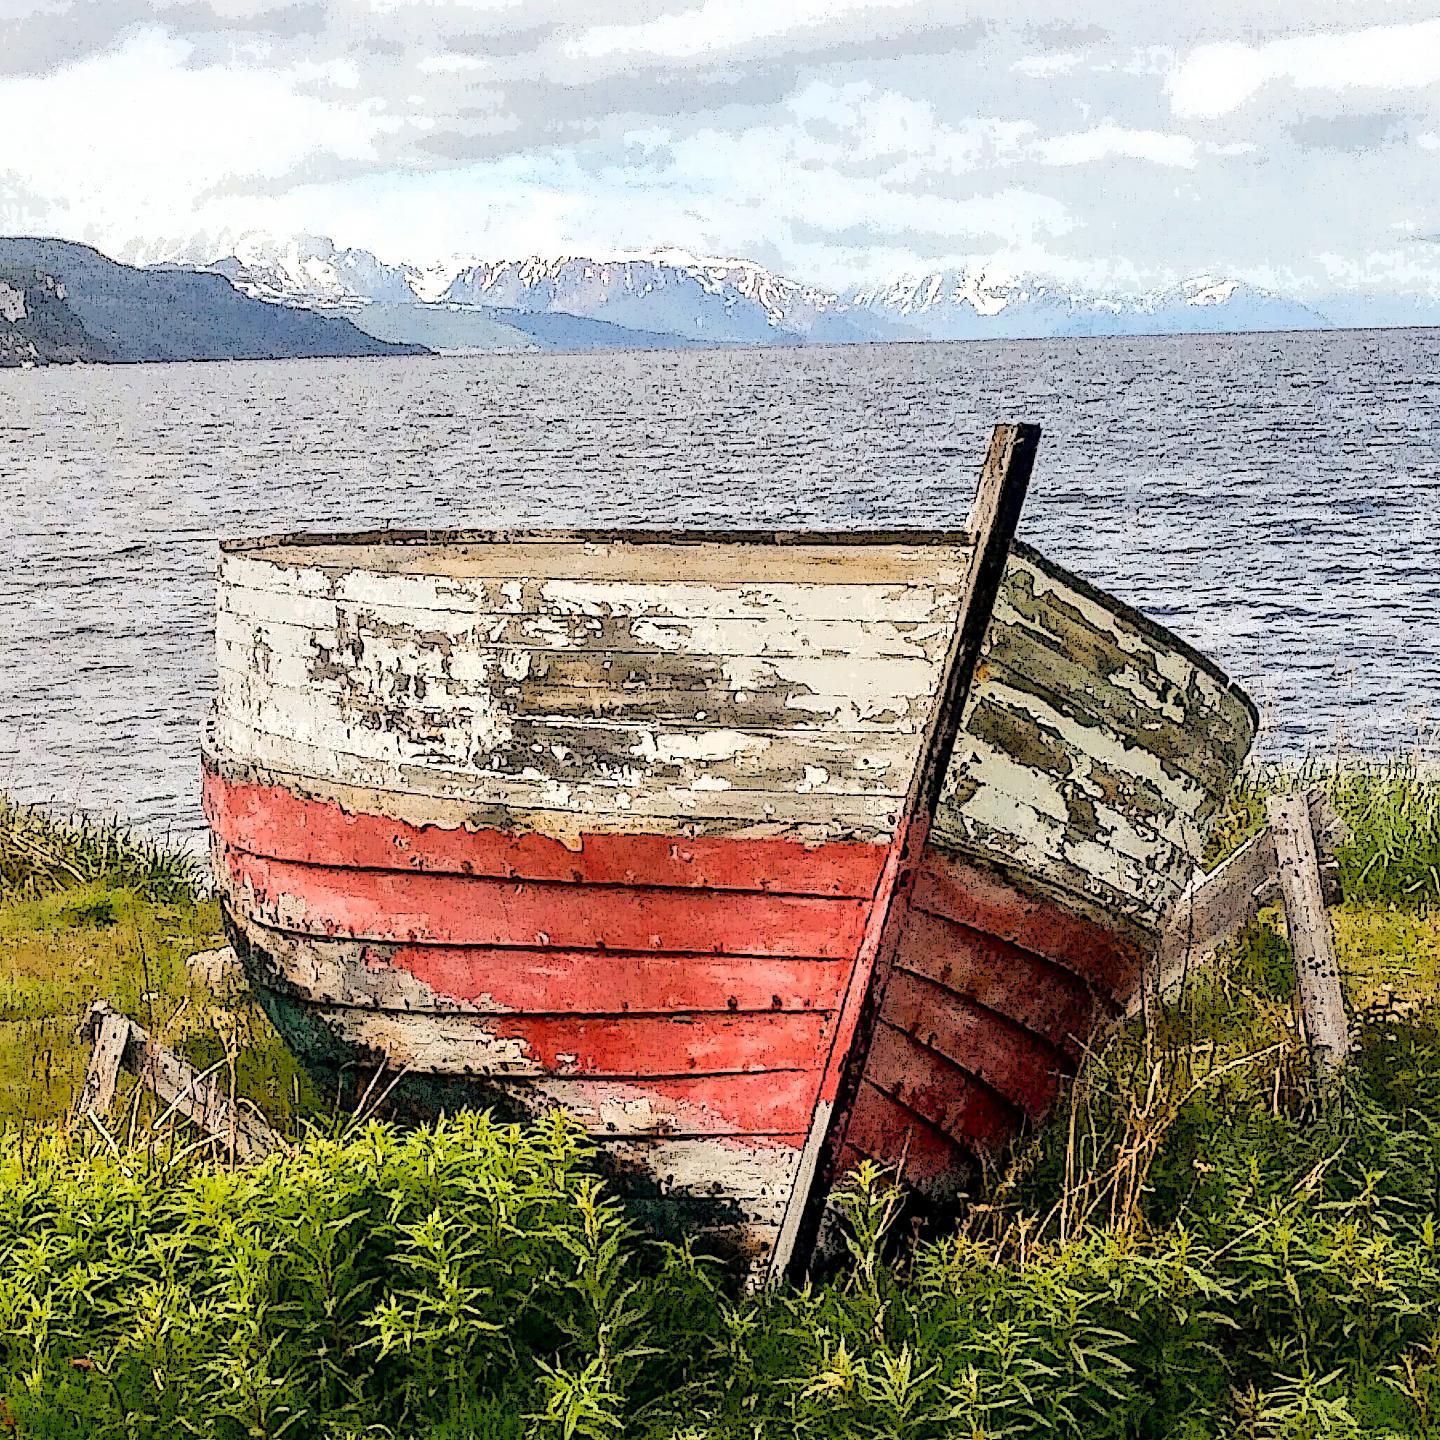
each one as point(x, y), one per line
point(1295, 143)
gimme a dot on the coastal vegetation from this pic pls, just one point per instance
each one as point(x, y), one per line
point(1194, 1247)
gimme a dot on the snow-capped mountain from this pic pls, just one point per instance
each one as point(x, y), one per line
point(312, 270)
point(722, 300)
point(986, 303)
point(735, 301)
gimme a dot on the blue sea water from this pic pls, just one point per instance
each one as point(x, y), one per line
point(1274, 499)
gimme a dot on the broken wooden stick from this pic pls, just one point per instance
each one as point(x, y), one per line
point(120, 1043)
point(1317, 973)
point(1218, 905)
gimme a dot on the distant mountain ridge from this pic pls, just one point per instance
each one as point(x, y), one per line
point(733, 301)
point(978, 304)
point(37, 326)
point(178, 314)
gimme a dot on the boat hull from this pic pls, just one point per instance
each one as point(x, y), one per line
point(622, 827)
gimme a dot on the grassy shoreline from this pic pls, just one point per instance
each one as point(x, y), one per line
point(1188, 1250)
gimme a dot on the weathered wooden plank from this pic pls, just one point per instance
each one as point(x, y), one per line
point(680, 597)
point(761, 1104)
point(1216, 906)
point(512, 745)
point(500, 981)
point(275, 821)
point(180, 1087)
point(1034, 992)
point(742, 691)
point(1317, 973)
point(624, 1047)
point(464, 910)
point(251, 620)
point(109, 1034)
point(730, 562)
point(578, 809)
point(1023, 1067)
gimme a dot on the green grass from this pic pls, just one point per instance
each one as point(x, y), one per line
point(88, 912)
point(40, 853)
point(1391, 807)
point(1193, 1248)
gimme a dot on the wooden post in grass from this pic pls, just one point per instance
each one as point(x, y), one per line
point(110, 1033)
point(1217, 906)
point(1317, 975)
point(183, 1090)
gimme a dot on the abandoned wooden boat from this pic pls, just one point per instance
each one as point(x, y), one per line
point(759, 854)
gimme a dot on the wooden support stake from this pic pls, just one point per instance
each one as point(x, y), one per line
point(97, 1094)
point(1317, 975)
point(1217, 906)
point(177, 1084)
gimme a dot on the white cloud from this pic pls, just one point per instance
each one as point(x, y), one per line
point(135, 136)
point(1214, 80)
point(1111, 141)
point(1042, 67)
point(718, 26)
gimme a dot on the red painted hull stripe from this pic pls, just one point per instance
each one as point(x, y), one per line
point(881, 1129)
point(948, 887)
point(274, 822)
point(1033, 992)
point(1021, 1068)
point(580, 981)
point(461, 910)
point(937, 1089)
point(641, 1049)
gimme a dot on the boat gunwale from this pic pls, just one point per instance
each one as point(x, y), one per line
point(1142, 622)
point(917, 537)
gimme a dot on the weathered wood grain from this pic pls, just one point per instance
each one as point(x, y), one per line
point(827, 691)
point(580, 808)
point(1317, 973)
point(511, 745)
point(176, 1084)
point(731, 561)
point(1216, 906)
point(679, 596)
point(931, 1085)
point(881, 1127)
point(252, 621)
point(109, 1034)
point(1094, 750)
point(488, 980)
point(422, 798)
